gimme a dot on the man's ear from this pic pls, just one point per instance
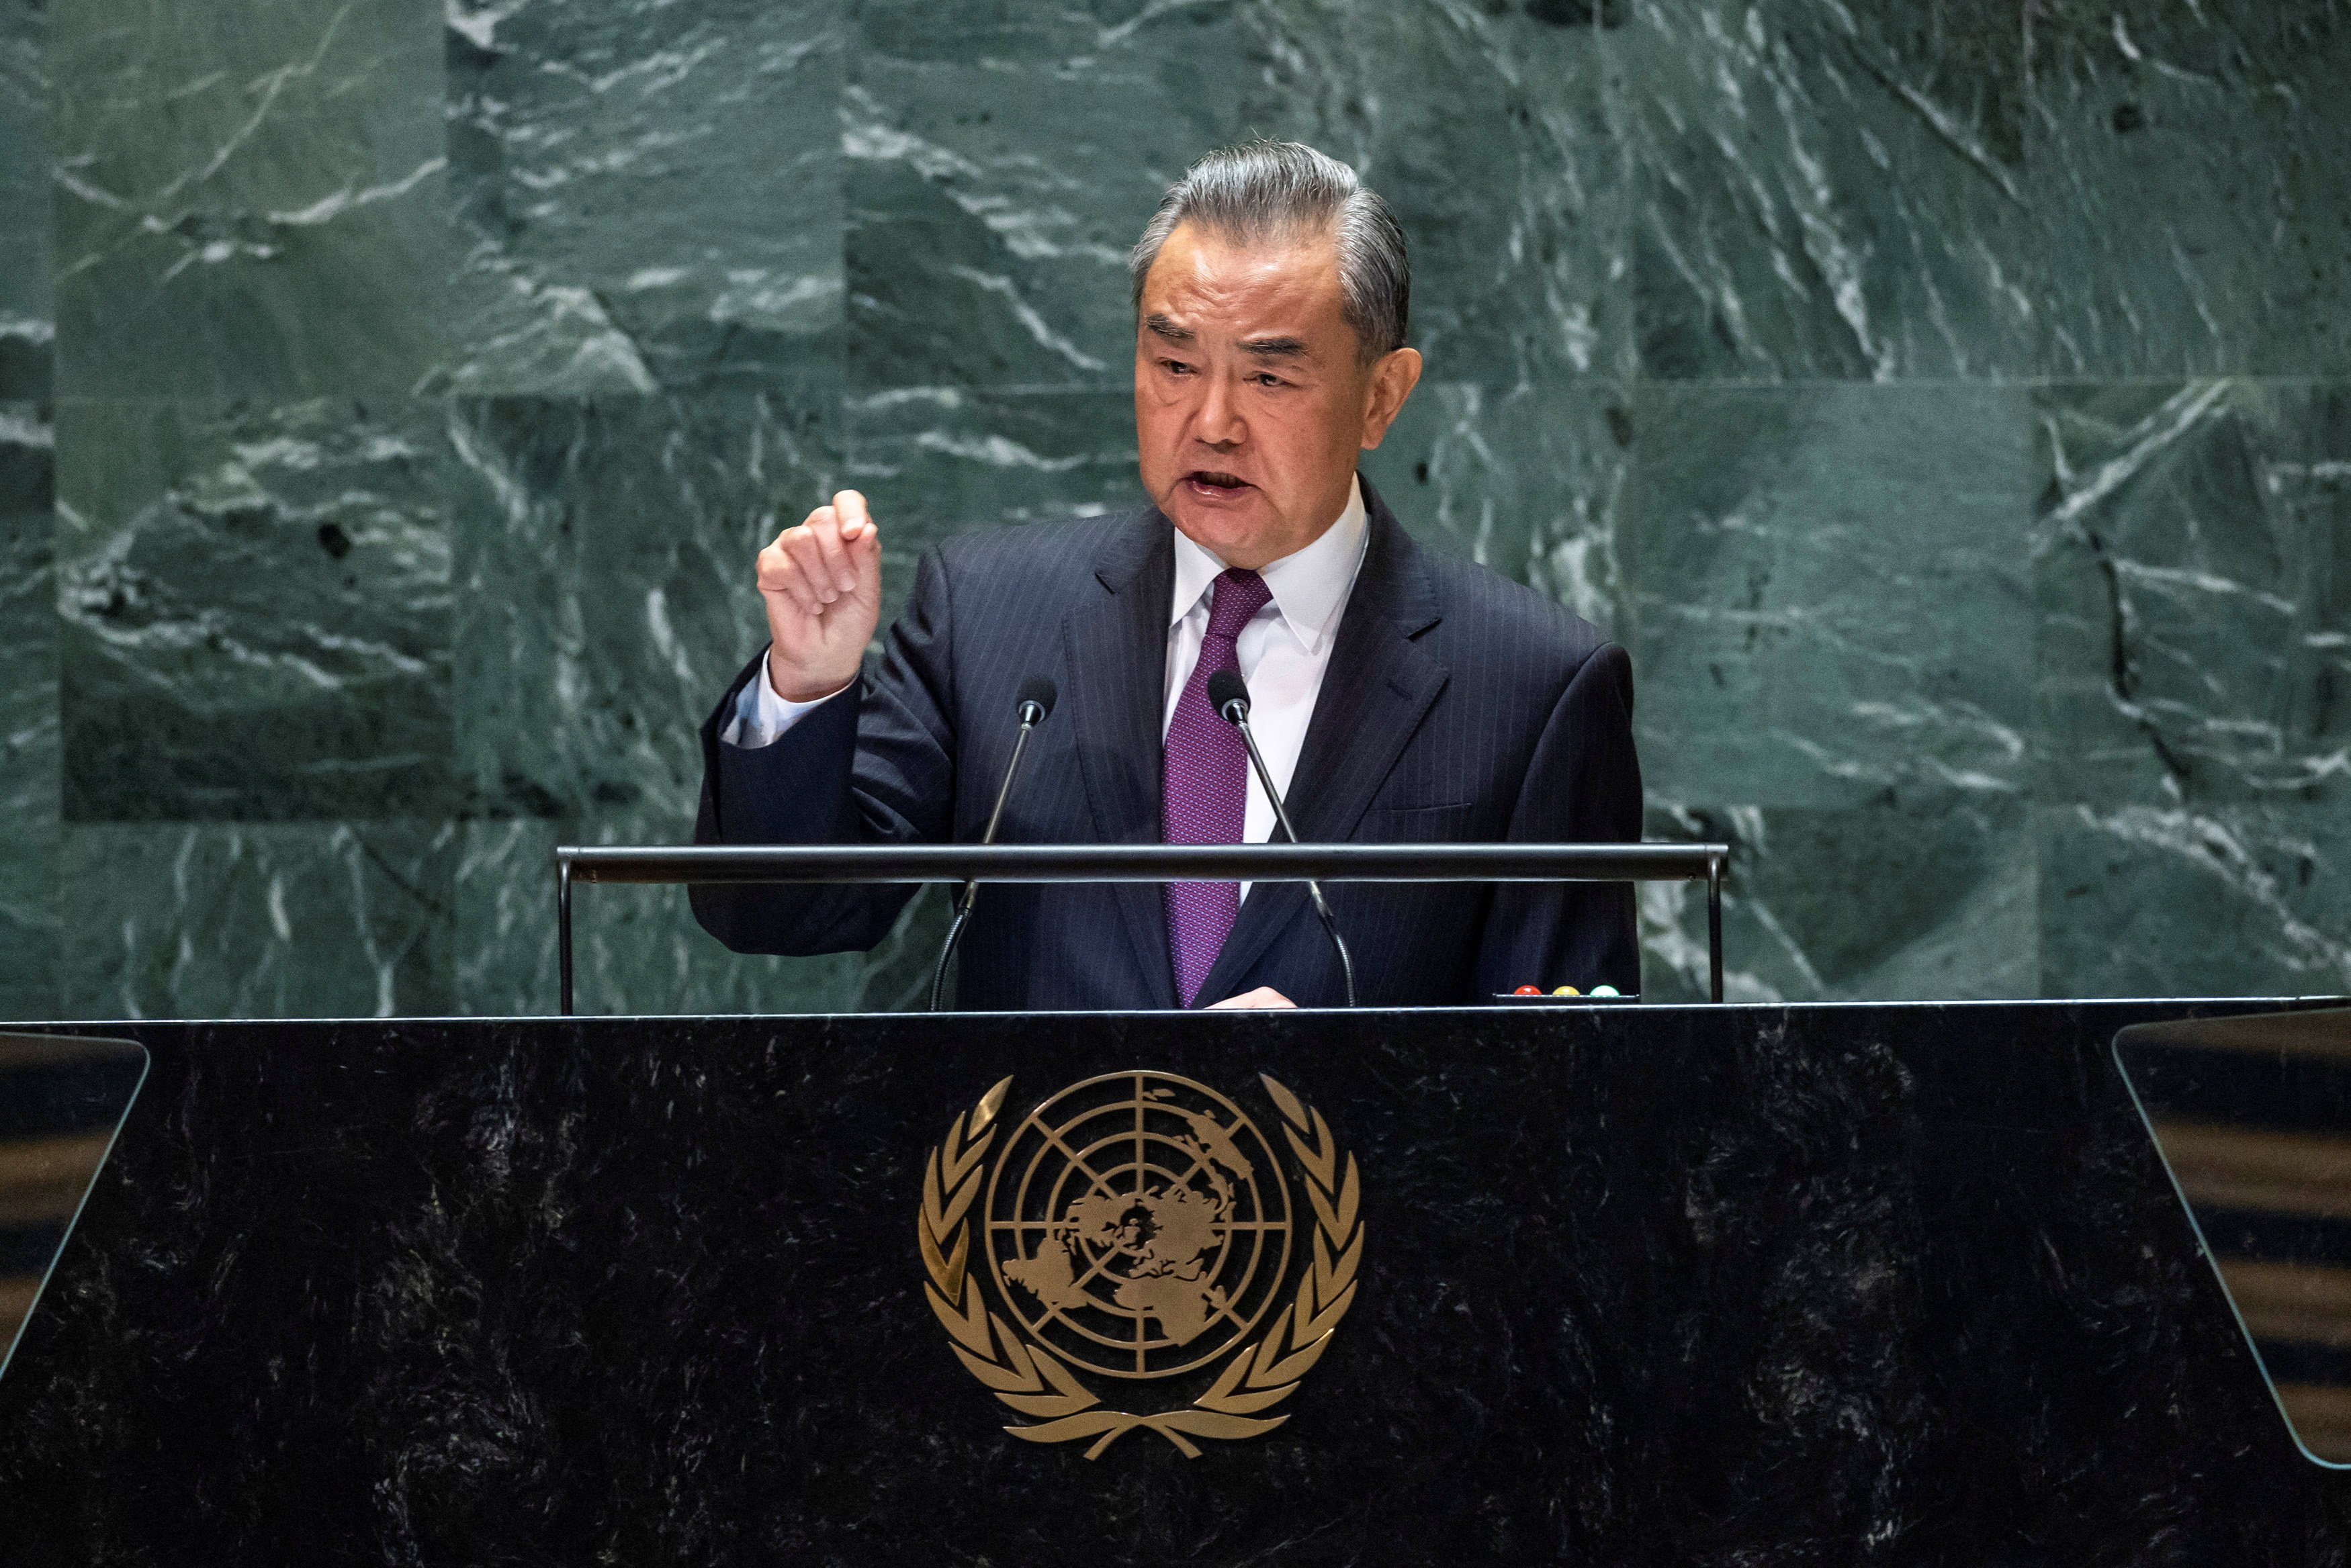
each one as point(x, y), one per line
point(1392, 379)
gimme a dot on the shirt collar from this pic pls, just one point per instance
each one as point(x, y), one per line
point(1310, 587)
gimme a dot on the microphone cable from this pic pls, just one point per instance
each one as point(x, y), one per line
point(1037, 696)
point(1229, 695)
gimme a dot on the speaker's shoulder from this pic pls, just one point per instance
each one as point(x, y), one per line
point(1484, 608)
point(1024, 555)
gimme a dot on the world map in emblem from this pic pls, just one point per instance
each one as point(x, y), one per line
point(1137, 1224)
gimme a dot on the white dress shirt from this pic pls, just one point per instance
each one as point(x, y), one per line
point(1284, 652)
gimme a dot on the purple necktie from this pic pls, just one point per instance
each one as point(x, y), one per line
point(1204, 786)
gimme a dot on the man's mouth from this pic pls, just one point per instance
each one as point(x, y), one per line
point(1216, 482)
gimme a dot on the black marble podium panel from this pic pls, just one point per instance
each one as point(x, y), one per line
point(1641, 1285)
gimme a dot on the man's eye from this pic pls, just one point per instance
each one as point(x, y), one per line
point(1267, 378)
point(1176, 367)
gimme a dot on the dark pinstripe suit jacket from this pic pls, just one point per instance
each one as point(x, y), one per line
point(1458, 706)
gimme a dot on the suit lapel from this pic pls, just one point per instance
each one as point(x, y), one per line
point(1115, 655)
point(1375, 691)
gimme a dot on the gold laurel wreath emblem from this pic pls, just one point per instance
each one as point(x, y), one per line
point(1031, 1380)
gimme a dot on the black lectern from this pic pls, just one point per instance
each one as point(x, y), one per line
point(1632, 1284)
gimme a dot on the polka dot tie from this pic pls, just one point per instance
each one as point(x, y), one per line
point(1204, 780)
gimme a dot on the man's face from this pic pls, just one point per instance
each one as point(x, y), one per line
point(1250, 401)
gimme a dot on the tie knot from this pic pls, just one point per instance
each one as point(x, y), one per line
point(1237, 596)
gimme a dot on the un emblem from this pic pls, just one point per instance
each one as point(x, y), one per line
point(1138, 1226)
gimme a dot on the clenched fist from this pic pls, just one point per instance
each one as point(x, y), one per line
point(823, 584)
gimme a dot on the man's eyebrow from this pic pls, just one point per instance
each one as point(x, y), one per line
point(1161, 327)
point(1275, 348)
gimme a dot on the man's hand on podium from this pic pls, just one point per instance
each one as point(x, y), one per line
point(1263, 996)
point(823, 584)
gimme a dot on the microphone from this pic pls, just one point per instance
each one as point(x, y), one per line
point(1036, 700)
point(1229, 695)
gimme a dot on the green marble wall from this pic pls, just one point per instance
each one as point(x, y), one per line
point(1949, 404)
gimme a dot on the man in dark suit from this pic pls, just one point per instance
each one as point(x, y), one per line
point(1401, 696)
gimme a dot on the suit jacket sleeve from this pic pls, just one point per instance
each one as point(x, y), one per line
point(1582, 787)
point(873, 765)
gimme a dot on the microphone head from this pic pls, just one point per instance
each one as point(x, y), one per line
point(1226, 692)
point(1037, 691)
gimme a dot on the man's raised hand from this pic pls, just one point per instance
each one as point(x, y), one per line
point(823, 584)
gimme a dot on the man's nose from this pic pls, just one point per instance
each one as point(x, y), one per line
point(1218, 422)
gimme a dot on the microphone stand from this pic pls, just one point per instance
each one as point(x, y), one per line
point(1235, 713)
point(1032, 714)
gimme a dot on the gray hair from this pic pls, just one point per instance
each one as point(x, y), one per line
point(1281, 189)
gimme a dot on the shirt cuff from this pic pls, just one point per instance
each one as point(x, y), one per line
point(761, 716)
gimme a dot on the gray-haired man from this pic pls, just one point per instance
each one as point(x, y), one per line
point(1398, 695)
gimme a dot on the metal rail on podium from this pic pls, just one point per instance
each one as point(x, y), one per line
point(872, 863)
